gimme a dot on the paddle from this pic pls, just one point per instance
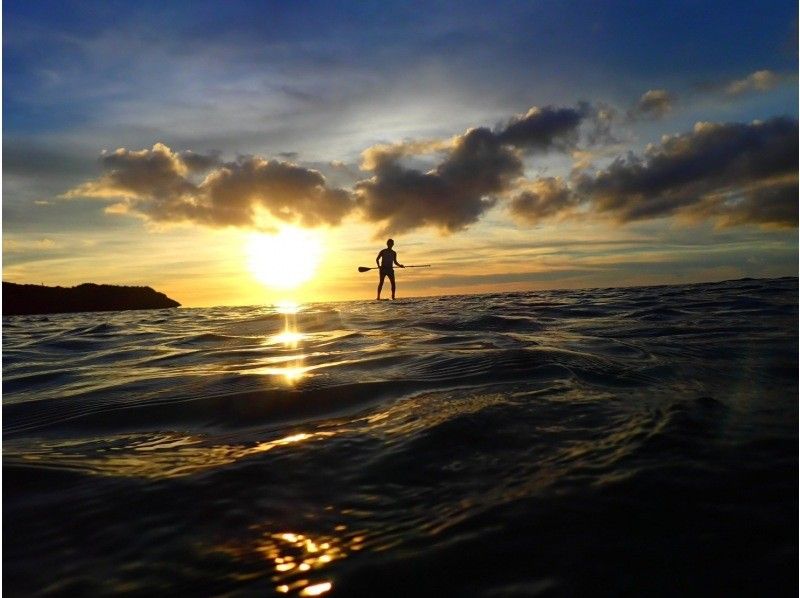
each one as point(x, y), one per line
point(365, 269)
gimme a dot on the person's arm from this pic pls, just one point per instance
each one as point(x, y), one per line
point(377, 262)
point(396, 262)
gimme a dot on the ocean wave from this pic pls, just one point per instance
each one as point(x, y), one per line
point(471, 445)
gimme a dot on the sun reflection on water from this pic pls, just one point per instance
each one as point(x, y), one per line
point(292, 555)
point(290, 338)
point(290, 374)
point(316, 589)
point(287, 307)
point(284, 356)
point(265, 446)
point(290, 335)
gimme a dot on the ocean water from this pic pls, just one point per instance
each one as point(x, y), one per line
point(624, 442)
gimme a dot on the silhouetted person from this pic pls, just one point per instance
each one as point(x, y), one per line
point(386, 260)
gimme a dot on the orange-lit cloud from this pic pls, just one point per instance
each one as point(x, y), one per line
point(158, 184)
point(763, 80)
point(731, 173)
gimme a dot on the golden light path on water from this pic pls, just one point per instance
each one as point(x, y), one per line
point(298, 561)
point(294, 555)
point(169, 454)
point(289, 369)
point(290, 338)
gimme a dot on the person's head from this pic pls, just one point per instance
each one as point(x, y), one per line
point(389, 243)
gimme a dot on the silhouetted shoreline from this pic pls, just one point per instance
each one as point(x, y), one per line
point(27, 299)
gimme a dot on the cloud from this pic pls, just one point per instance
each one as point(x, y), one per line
point(477, 168)
point(732, 173)
point(544, 198)
point(763, 80)
point(544, 128)
point(473, 170)
point(200, 162)
point(771, 202)
point(756, 82)
point(157, 173)
point(374, 155)
point(160, 185)
point(740, 173)
point(601, 118)
point(654, 104)
point(450, 197)
point(288, 192)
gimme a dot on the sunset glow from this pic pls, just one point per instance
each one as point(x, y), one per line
point(400, 298)
point(284, 260)
point(563, 161)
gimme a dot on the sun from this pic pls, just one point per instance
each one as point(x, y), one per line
point(284, 260)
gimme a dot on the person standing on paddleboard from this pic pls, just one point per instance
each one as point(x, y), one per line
point(386, 260)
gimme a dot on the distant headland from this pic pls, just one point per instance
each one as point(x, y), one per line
point(27, 299)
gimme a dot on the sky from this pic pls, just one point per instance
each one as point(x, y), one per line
point(239, 153)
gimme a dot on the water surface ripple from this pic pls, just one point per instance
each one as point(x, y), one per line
point(618, 442)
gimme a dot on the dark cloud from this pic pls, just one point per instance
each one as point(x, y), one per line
point(289, 192)
point(770, 203)
point(157, 173)
point(732, 173)
point(545, 198)
point(740, 172)
point(472, 171)
point(544, 128)
point(476, 169)
point(200, 162)
point(450, 197)
point(653, 105)
point(158, 185)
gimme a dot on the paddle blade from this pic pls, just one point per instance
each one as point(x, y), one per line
point(363, 269)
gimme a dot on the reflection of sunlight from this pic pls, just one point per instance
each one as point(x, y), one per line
point(293, 373)
point(290, 373)
point(265, 446)
point(154, 456)
point(287, 307)
point(289, 368)
point(292, 369)
point(289, 338)
point(299, 562)
point(316, 589)
point(293, 554)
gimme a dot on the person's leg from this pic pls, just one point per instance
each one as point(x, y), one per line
point(390, 274)
point(380, 284)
